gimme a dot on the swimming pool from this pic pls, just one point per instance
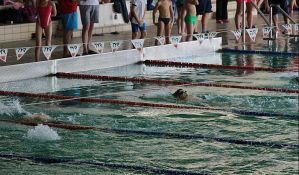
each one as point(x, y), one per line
point(142, 139)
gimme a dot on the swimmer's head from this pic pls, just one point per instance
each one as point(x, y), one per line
point(180, 94)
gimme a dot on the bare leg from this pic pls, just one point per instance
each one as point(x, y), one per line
point(90, 34)
point(48, 33)
point(238, 16)
point(159, 31)
point(67, 38)
point(167, 32)
point(38, 41)
point(134, 35)
point(190, 29)
point(85, 38)
point(143, 35)
point(204, 22)
point(249, 10)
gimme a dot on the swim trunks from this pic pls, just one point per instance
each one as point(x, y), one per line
point(70, 21)
point(180, 3)
point(282, 3)
point(136, 27)
point(44, 15)
point(190, 19)
point(204, 6)
point(164, 20)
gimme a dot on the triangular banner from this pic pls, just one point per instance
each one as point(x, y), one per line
point(296, 29)
point(252, 33)
point(212, 35)
point(99, 46)
point(175, 40)
point(115, 45)
point(266, 32)
point(237, 34)
point(200, 37)
point(3, 54)
point(47, 50)
point(74, 49)
point(20, 52)
point(138, 44)
point(289, 28)
point(161, 39)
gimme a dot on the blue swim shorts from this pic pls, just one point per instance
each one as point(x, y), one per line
point(136, 27)
point(70, 21)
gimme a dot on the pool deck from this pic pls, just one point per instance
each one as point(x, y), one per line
point(228, 40)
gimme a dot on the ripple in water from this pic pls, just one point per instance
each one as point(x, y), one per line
point(43, 133)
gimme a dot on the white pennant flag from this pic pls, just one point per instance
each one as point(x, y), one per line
point(138, 44)
point(252, 33)
point(289, 28)
point(212, 35)
point(47, 50)
point(175, 40)
point(115, 45)
point(161, 39)
point(20, 52)
point(237, 34)
point(74, 49)
point(3, 54)
point(296, 29)
point(99, 46)
point(266, 32)
point(200, 37)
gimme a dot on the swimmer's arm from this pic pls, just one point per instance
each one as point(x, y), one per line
point(133, 12)
point(54, 11)
point(155, 11)
point(171, 13)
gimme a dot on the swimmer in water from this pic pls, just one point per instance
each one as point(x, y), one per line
point(37, 118)
point(180, 94)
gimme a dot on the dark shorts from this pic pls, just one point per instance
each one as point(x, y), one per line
point(282, 3)
point(136, 27)
point(179, 3)
point(204, 6)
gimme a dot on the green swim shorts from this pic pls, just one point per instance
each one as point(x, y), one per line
point(190, 19)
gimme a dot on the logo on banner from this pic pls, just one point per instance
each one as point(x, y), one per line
point(237, 34)
point(199, 37)
point(175, 40)
point(288, 28)
point(20, 52)
point(296, 29)
point(266, 32)
point(138, 44)
point(115, 45)
point(74, 49)
point(161, 39)
point(3, 54)
point(47, 50)
point(99, 46)
point(252, 33)
point(212, 35)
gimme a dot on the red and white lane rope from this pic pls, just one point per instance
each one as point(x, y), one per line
point(215, 66)
point(157, 81)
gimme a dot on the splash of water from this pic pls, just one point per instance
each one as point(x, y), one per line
point(12, 108)
point(43, 133)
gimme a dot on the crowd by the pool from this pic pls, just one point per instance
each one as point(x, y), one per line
point(182, 14)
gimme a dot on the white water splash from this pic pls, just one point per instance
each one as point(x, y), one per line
point(43, 133)
point(12, 108)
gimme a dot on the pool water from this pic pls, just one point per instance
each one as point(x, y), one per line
point(192, 155)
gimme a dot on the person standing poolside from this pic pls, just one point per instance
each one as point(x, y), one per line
point(221, 11)
point(181, 14)
point(165, 20)
point(284, 5)
point(204, 8)
point(69, 19)
point(249, 11)
point(190, 18)
point(89, 11)
point(45, 9)
point(138, 8)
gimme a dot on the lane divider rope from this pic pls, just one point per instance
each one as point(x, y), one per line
point(165, 82)
point(215, 66)
point(142, 104)
point(262, 52)
point(98, 164)
point(169, 135)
